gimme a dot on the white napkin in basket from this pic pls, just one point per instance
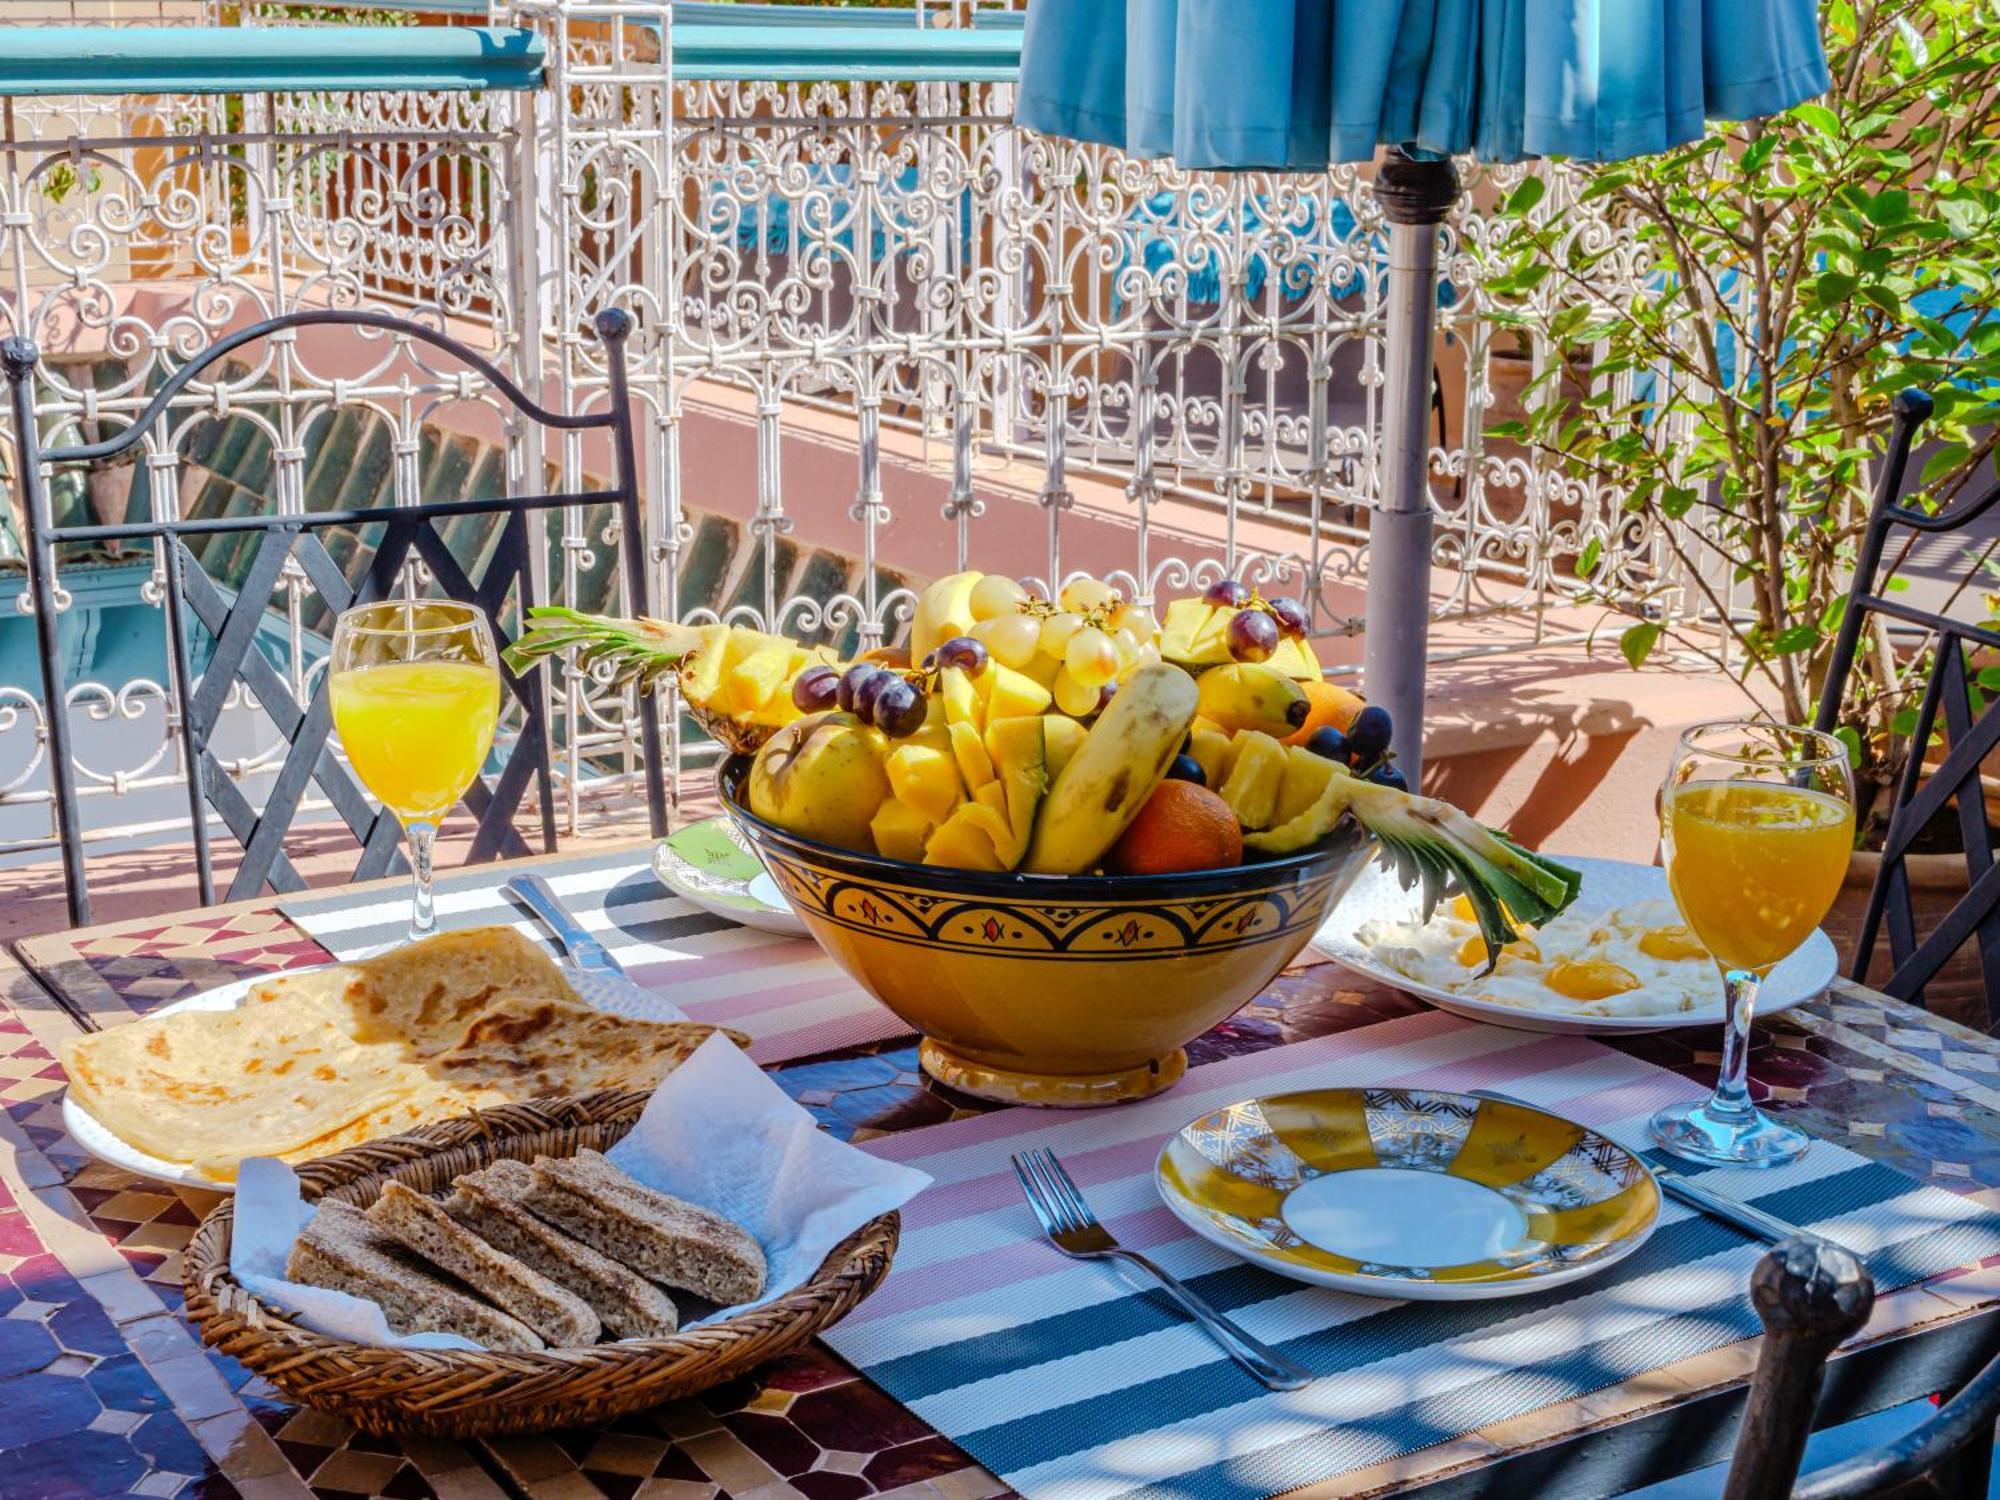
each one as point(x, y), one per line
point(717, 1133)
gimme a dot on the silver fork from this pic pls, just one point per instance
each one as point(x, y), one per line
point(1073, 1229)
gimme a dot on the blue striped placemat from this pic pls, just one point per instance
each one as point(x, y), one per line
point(784, 992)
point(1067, 1380)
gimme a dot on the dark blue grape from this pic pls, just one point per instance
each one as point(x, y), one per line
point(815, 689)
point(1368, 736)
point(1252, 636)
point(898, 708)
point(1389, 775)
point(1293, 622)
point(870, 692)
point(851, 681)
point(964, 652)
point(1329, 742)
point(1187, 768)
point(1226, 593)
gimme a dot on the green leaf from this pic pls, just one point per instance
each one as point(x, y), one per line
point(1888, 207)
point(1586, 562)
point(1756, 154)
point(1526, 196)
point(1835, 612)
point(1835, 287)
point(1636, 644)
point(1851, 738)
point(1818, 118)
point(1883, 298)
point(1794, 639)
point(1948, 457)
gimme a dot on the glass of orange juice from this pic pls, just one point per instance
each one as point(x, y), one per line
point(415, 691)
point(1756, 822)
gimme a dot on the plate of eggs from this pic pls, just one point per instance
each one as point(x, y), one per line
point(1620, 960)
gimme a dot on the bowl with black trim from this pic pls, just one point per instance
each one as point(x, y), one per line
point(1059, 990)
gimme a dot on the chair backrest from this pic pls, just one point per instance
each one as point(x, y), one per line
point(270, 549)
point(1811, 1295)
point(1923, 791)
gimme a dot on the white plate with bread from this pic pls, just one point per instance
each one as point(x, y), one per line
point(304, 1063)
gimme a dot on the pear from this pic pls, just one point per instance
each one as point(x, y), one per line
point(823, 777)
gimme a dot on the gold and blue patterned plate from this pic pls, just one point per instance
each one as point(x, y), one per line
point(1409, 1193)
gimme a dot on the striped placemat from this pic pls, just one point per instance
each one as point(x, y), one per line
point(786, 993)
point(1067, 1380)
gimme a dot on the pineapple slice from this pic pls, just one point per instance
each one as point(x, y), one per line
point(900, 831)
point(1214, 749)
point(962, 703)
point(957, 842)
point(754, 679)
point(1063, 735)
point(923, 772)
point(1256, 778)
point(974, 764)
point(1014, 695)
point(1306, 776)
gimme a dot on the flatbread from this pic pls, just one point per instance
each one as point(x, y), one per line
point(206, 1083)
point(424, 995)
point(529, 1047)
point(315, 1062)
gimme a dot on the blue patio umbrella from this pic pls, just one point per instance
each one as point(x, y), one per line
point(1303, 84)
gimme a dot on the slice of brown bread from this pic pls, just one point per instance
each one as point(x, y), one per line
point(342, 1251)
point(671, 1242)
point(493, 1203)
point(564, 1320)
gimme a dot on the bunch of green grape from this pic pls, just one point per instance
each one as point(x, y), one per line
point(1079, 645)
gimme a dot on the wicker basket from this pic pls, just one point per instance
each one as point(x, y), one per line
point(464, 1394)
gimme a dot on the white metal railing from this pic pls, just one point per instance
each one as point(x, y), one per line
point(892, 251)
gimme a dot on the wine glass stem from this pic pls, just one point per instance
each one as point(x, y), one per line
point(1732, 1087)
point(423, 910)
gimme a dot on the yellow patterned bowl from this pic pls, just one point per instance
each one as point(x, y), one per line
point(1065, 990)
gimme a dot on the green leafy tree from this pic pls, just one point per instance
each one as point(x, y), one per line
point(1729, 357)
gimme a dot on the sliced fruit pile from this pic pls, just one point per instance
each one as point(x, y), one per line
point(1068, 736)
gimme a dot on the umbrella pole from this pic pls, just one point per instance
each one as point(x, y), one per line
point(1415, 196)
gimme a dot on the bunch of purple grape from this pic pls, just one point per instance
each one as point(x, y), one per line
point(874, 694)
point(1259, 624)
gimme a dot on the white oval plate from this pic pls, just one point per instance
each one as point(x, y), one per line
point(606, 992)
point(88, 1132)
point(708, 865)
point(1378, 896)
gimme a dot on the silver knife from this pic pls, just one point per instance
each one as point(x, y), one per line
point(586, 952)
point(1751, 1220)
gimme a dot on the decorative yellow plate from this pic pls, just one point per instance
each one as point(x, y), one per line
point(1409, 1192)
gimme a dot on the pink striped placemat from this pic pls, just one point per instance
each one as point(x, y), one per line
point(786, 993)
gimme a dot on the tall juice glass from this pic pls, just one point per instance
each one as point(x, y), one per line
point(1756, 822)
point(415, 691)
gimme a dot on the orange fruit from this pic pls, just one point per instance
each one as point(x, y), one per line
point(1327, 704)
point(1182, 827)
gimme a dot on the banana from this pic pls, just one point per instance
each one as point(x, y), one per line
point(944, 609)
point(1249, 695)
point(1105, 783)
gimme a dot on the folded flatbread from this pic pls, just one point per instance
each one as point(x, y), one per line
point(262, 1079)
point(315, 1062)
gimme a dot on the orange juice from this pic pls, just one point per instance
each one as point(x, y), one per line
point(417, 732)
point(1754, 865)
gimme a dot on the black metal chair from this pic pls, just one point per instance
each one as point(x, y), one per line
point(409, 534)
point(1922, 792)
point(1811, 1296)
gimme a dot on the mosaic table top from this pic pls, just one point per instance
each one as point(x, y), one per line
point(105, 1389)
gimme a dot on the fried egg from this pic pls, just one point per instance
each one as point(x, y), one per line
point(1636, 960)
